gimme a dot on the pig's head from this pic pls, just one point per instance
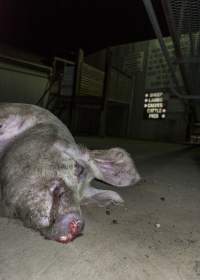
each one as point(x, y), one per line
point(52, 208)
point(113, 166)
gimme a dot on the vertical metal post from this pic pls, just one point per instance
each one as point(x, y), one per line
point(131, 106)
point(75, 92)
point(106, 88)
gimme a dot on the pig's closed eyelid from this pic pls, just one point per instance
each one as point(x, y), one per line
point(58, 192)
point(56, 188)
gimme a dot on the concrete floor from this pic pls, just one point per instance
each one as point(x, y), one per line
point(128, 243)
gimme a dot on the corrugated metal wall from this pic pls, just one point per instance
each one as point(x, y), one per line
point(92, 81)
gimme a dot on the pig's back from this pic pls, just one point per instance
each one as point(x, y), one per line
point(39, 114)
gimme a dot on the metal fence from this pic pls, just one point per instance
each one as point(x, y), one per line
point(91, 81)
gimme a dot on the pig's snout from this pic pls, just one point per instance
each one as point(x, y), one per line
point(66, 228)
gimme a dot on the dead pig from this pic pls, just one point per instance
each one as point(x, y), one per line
point(45, 177)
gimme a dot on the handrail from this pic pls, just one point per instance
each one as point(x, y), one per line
point(25, 63)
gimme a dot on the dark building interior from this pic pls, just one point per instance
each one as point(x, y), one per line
point(116, 74)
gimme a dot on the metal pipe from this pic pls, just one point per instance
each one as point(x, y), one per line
point(64, 60)
point(47, 90)
point(105, 97)
point(131, 103)
point(185, 97)
point(25, 63)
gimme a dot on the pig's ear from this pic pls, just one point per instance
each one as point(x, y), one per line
point(102, 198)
point(114, 166)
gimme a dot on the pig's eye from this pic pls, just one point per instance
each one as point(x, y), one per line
point(79, 170)
point(56, 188)
point(1, 125)
point(57, 192)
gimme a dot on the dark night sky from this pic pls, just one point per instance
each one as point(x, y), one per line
point(55, 27)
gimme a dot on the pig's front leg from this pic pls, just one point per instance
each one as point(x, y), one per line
point(102, 198)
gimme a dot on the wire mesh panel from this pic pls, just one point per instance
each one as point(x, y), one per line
point(186, 15)
point(184, 18)
point(157, 71)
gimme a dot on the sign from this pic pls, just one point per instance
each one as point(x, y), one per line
point(154, 105)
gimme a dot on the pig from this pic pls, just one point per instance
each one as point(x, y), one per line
point(45, 177)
